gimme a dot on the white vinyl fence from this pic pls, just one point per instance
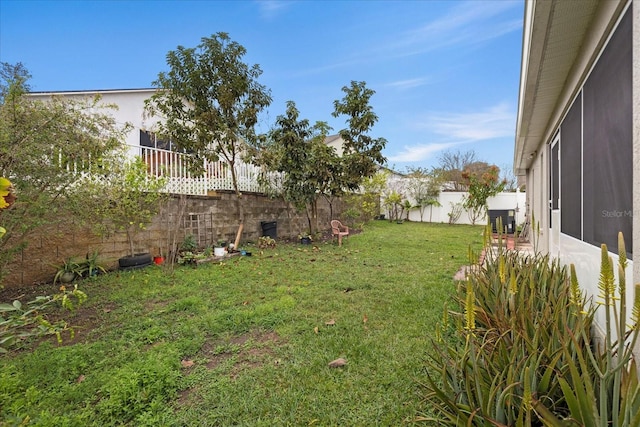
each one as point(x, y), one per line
point(449, 199)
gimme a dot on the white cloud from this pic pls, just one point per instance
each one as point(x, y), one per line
point(418, 153)
point(469, 23)
point(271, 8)
point(497, 121)
point(459, 128)
point(408, 84)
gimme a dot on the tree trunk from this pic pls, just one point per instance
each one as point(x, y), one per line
point(239, 205)
point(130, 238)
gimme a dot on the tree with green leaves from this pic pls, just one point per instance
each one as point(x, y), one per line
point(373, 187)
point(209, 102)
point(297, 150)
point(424, 188)
point(124, 198)
point(362, 154)
point(481, 186)
point(44, 147)
point(311, 168)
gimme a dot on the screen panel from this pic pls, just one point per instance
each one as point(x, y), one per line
point(607, 143)
point(571, 171)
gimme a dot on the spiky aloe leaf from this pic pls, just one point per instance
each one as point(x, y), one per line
point(635, 310)
point(630, 396)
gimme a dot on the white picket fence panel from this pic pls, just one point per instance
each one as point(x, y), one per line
point(217, 176)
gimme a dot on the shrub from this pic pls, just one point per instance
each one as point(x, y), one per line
point(519, 350)
point(19, 322)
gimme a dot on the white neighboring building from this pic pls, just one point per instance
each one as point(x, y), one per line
point(160, 156)
point(130, 103)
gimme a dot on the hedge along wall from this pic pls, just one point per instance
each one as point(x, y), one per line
point(207, 218)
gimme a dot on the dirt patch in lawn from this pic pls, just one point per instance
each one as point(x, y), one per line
point(248, 351)
point(81, 321)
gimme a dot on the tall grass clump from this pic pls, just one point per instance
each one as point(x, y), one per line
point(519, 350)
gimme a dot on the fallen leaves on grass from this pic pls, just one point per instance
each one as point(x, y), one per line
point(337, 363)
point(187, 363)
point(330, 322)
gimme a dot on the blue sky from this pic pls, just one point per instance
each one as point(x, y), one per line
point(445, 73)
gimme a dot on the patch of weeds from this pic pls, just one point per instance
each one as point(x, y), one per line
point(141, 388)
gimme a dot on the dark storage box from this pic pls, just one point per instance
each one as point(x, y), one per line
point(269, 228)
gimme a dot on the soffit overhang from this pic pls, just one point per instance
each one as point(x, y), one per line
point(553, 37)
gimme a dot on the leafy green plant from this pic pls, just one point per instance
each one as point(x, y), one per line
point(351, 215)
point(480, 188)
point(519, 349)
point(187, 257)
point(69, 270)
point(265, 242)
point(424, 187)
point(131, 198)
point(394, 203)
point(368, 203)
point(601, 387)
point(208, 251)
point(189, 243)
point(61, 139)
point(20, 322)
point(90, 266)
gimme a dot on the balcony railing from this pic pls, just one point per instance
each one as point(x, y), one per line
point(217, 175)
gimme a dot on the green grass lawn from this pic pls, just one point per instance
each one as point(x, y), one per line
point(248, 342)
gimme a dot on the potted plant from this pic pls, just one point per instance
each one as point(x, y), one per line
point(305, 239)
point(220, 248)
point(90, 266)
point(67, 272)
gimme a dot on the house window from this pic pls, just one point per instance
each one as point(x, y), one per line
point(149, 139)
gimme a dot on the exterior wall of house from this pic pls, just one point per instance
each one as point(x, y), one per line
point(208, 219)
point(130, 103)
point(586, 256)
point(538, 198)
point(337, 145)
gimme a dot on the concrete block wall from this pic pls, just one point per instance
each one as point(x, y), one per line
point(208, 218)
